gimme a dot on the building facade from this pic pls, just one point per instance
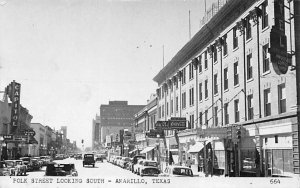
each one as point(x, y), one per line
point(115, 116)
point(96, 133)
point(235, 84)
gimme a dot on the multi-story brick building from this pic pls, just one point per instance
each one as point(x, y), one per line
point(115, 116)
point(235, 84)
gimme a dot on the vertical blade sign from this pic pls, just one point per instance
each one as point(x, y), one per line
point(15, 105)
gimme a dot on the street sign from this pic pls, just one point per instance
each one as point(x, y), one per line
point(7, 136)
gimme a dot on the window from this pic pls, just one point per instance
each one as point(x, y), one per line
point(171, 106)
point(225, 47)
point(205, 60)
point(167, 108)
point(225, 78)
point(206, 88)
point(281, 25)
point(159, 112)
point(216, 115)
point(162, 92)
point(236, 73)
point(282, 40)
point(276, 139)
point(177, 105)
point(226, 114)
point(183, 76)
point(191, 96)
point(266, 63)
point(200, 64)
point(200, 118)
point(236, 110)
point(205, 117)
point(264, 15)
point(250, 107)
point(249, 67)
point(183, 100)
point(215, 51)
point(281, 98)
point(248, 28)
point(216, 84)
point(200, 92)
point(163, 111)
point(281, 162)
point(235, 38)
point(191, 121)
point(191, 71)
point(267, 102)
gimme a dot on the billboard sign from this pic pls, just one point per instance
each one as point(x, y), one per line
point(172, 124)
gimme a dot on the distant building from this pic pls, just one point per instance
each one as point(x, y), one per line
point(115, 116)
point(63, 130)
point(41, 137)
point(96, 132)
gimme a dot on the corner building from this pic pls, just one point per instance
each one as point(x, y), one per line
point(235, 83)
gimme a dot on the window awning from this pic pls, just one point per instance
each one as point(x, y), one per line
point(147, 149)
point(133, 151)
point(198, 146)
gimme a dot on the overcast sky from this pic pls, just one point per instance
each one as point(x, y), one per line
point(71, 56)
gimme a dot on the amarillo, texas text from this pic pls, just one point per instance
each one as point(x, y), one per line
point(90, 180)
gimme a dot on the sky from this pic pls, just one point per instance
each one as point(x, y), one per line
point(71, 56)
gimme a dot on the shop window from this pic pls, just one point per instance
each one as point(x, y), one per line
point(249, 160)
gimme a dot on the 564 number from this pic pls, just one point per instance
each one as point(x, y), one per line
point(274, 181)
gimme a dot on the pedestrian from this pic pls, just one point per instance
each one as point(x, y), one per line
point(188, 162)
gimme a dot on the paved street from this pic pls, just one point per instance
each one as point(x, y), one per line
point(104, 169)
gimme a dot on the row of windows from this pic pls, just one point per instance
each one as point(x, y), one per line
point(249, 68)
point(267, 102)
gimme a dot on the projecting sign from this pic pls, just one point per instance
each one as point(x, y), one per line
point(13, 91)
point(172, 124)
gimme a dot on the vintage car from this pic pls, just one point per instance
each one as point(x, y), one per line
point(46, 160)
point(16, 167)
point(78, 156)
point(124, 162)
point(88, 159)
point(59, 169)
point(177, 171)
point(135, 160)
point(98, 158)
point(137, 166)
point(148, 168)
point(40, 161)
point(35, 163)
point(27, 162)
point(4, 171)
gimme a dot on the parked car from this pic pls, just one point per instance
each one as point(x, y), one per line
point(40, 161)
point(28, 163)
point(177, 171)
point(60, 169)
point(88, 159)
point(46, 160)
point(36, 165)
point(3, 169)
point(124, 162)
point(148, 168)
point(16, 167)
point(137, 166)
point(135, 160)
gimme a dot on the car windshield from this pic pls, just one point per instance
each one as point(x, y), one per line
point(19, 162)
point(25, 159)
point(182, 171)
point(88, 156)
point(10, 163)
point(150, 164)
